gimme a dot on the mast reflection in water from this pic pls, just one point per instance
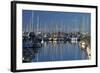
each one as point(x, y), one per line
point(54, 51)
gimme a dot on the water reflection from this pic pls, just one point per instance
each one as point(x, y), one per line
point(54, 51)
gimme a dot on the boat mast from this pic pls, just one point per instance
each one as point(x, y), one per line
point(30, 25)
point(32, 21)
point(37, 24)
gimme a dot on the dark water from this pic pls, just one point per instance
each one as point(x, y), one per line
point(54, 51)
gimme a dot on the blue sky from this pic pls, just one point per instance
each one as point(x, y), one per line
point(56, 21)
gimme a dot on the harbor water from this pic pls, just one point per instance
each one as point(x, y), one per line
point(54, 51)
